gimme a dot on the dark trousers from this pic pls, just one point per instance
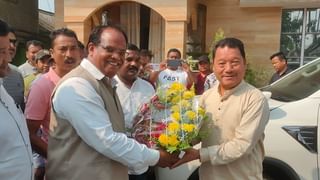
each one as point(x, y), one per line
point(148, 175)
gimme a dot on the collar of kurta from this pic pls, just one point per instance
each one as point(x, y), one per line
point(96, 73)
point(228, 93)
point(118, 81)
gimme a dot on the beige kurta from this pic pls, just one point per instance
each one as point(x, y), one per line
point(233, 148)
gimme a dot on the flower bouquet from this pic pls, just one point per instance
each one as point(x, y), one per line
point(170, 120)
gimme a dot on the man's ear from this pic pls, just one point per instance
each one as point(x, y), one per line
point(90, 47)
point(51, 51)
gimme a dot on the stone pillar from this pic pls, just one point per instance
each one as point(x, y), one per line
point(175, 36)
point(59, 14)
point(78, 27)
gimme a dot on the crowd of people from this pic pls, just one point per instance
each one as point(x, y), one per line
point(65, 112)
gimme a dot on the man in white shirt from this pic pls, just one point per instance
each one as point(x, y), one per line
point(133, 92)
point(15, 151)
point(87, 134)
point(27, 68)
point(173, 72)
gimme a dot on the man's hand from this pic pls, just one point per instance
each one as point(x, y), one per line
point(37, 143)
point(190, 155)
point(166, 159)
point(186, 67)
point(163, 65)
point(154, 74)
point(148, 68)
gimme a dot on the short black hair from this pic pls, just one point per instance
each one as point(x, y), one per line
point(95, 35)
point(280, 55)
point(174, 50)
point(12, 30)
point(62, 31)
point(4, 28)
point(80, 45)
point(231, 43)
point(145, 52)
point(35, 43)
point(132, 47)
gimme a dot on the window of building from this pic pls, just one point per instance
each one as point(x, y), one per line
point(300, 35)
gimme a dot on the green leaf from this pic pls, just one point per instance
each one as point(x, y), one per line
point(171, 149)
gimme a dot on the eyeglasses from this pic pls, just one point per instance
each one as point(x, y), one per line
point(110, 49)
point(13, 41)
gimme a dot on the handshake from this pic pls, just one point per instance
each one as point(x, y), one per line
point(173, 160)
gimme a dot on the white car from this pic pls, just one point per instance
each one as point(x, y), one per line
point(291, 140)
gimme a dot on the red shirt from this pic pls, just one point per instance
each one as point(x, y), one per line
point(199, 85)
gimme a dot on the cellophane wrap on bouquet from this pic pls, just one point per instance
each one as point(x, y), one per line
point(170, 120)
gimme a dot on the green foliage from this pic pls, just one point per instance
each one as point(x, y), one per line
point(219, 34)
point(195, 55)
point(250, 75)
point(20, 57)
point(257, 76)
point(217, 37)
point(171, 149)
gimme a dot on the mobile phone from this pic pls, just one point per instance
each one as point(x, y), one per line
point(155, 66)
point(174, 63)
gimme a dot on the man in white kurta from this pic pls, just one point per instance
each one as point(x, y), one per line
point(131, 98)
point(133, 92)
point(15, 151)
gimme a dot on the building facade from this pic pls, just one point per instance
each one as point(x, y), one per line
point(190, 25)
point(26, 19)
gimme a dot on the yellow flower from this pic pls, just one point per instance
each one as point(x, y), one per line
point(191, 115)
point(201, 111)
point(177, 86)
point(188, 95)
point(169, 93)
point(163, 140)
point(173, 140)
point(188, 127)
point(175, 99)
point(175, 108)
point(185, 104)
point(173, 127)
point(175, 116)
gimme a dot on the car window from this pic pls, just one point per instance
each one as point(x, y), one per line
point(297, 85)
